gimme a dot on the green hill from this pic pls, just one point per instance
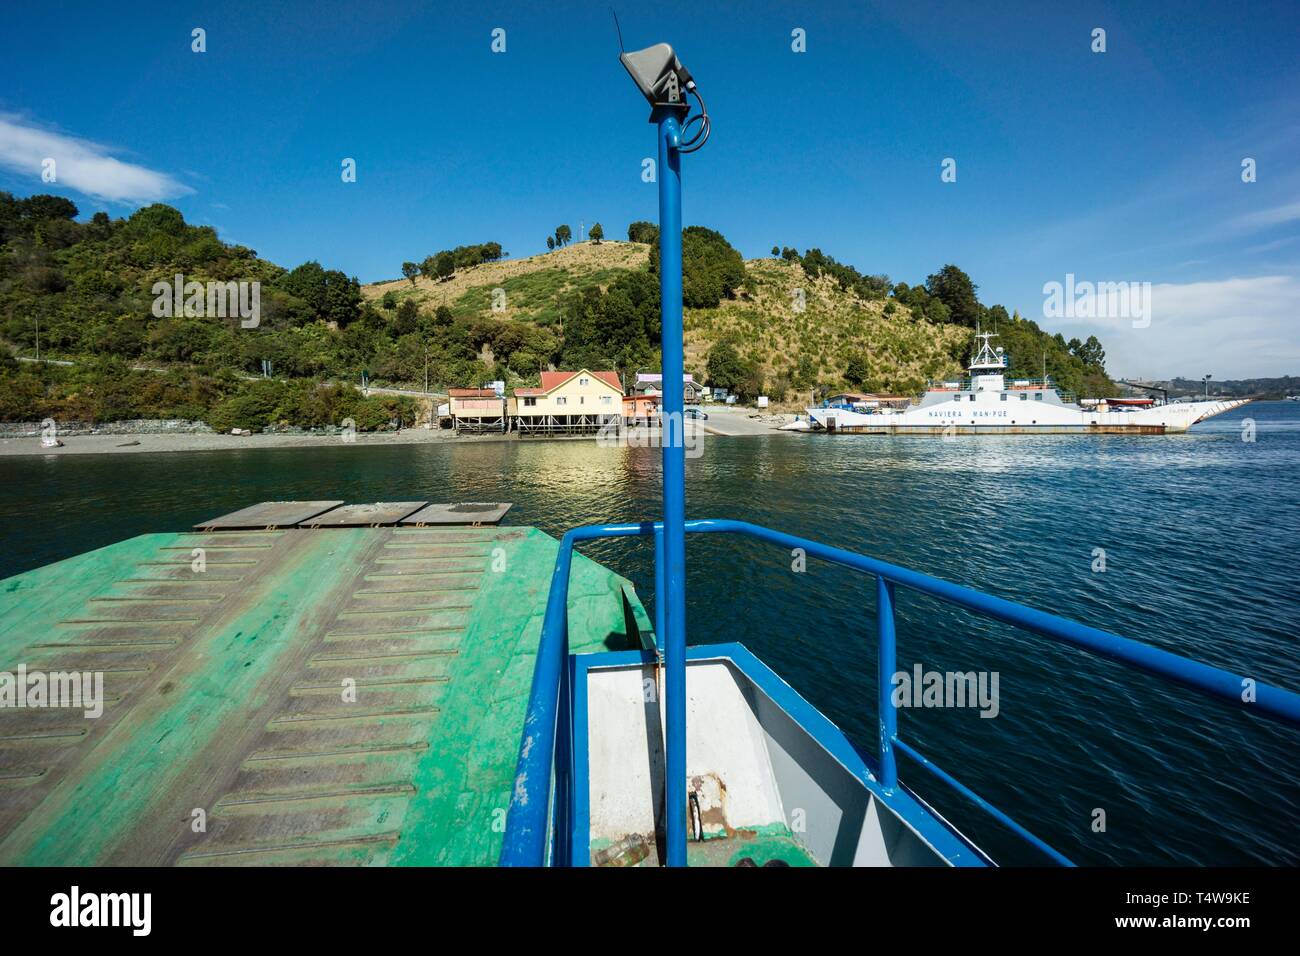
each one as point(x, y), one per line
point(792, 327)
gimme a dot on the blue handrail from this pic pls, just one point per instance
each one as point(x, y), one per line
point(527, 824)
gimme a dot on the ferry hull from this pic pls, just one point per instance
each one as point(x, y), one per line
point(988, 415)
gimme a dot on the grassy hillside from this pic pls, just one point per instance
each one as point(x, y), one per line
point(799, 348)
point(793, 327)
point(532, 286)
point(791, 346)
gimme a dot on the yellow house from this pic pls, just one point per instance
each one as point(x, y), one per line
point(568, 401)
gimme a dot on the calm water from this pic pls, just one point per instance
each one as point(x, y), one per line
point(1200, 534)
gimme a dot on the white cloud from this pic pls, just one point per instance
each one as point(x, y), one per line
point(1264, 218)
point(1232, 328)
point(81, 165)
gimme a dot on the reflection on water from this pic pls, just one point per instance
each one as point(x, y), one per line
point(1199, 532)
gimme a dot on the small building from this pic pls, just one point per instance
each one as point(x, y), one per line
point(567, 402)
point(477, 410)
point(641, 409)
point(652, 383)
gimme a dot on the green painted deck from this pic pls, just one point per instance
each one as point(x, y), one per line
point(228, 734)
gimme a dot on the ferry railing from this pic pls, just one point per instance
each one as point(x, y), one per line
point(538, 806)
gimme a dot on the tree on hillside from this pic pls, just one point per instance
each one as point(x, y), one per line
point(410, 270)
point(429, 267)
point(616, 327)
point(407, 318)
point(550, 243)
point(643, 232)
point(817, 263)
point(752, 382)
point(562, 235)
point(725, 367)
point(444, 264)
point(1090, 352)
point(330, 294)
point(711, 268)
point(776, 252)
point(955, 289)
point(858, 371)
point(597, 233)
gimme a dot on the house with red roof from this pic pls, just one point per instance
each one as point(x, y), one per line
point(580, 401)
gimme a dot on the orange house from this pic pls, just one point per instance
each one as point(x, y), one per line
point(477, 409)
point(641, 408)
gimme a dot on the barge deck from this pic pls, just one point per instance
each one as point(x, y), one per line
point(300, 695)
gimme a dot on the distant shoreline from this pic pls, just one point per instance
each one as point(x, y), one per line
point(727, 424)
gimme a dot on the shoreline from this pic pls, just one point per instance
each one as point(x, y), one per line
point(730, 425)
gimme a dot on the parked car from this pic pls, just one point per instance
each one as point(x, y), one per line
point(693, 412)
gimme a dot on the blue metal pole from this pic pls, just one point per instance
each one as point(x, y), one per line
point(672, 424)
point(886, 715)
point(975, 798)
point(529, 817)
point(660, 636)
point(562, 799)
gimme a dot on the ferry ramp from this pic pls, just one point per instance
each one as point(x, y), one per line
point(291, 695)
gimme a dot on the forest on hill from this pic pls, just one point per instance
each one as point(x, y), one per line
point(86, 293)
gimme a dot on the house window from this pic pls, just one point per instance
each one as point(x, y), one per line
point(1024, 396)
point(972, 397)
point(582, 399)
point(561, 401)
point(529, 402)
point(583, 381)
point(1038, 396)
point(606, 399)
point(1003, 396)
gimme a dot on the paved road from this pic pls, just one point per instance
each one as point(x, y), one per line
point(735, 421)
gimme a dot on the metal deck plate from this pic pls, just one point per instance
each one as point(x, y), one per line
point(465, 513)
point(377, 515)
point(267, 515)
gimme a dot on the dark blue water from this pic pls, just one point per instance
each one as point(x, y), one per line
point(1200, 534)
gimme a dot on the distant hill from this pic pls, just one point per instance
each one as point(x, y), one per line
point(794, 328)
point(794, 335)
point(813, 344)
point(1265, 388)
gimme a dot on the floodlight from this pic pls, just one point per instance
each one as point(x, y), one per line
point(658, 74)
point(664, 82)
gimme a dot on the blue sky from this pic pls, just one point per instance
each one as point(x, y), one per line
point(1115, 166)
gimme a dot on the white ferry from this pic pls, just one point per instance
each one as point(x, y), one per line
point(986, 403)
